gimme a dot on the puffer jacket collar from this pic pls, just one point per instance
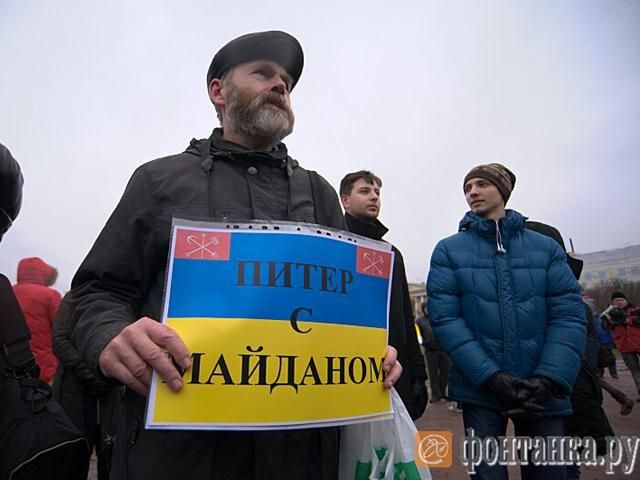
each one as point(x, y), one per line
point(509, 225)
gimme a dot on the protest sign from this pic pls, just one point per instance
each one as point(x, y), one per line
point(286, 324)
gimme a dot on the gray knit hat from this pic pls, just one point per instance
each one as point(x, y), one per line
point(498, 174)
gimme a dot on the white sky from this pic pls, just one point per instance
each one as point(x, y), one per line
point(417, 91)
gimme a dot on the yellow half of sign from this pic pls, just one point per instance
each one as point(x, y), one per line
point(254, 372)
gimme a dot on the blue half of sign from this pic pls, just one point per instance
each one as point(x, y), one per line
point(269, 275)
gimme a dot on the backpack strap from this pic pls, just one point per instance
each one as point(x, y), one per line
point(319, 204)
point(14, 335)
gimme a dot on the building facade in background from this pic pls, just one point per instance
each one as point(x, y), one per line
point(622, 263)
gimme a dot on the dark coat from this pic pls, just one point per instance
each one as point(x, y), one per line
point(588, 418)
point(505, 300)
point(122, 279)
point(402, 329)
point(76, 387)
point(70, 358)
point(90, 401)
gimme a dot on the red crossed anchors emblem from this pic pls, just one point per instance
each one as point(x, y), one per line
point(202, 245)
point(373, 262)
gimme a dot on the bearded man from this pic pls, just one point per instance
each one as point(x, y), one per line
point(242, 171)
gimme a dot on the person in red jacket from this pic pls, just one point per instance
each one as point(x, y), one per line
point(623, 319)
point(39, 303)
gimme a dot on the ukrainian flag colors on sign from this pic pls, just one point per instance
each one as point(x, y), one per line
point(287, 326)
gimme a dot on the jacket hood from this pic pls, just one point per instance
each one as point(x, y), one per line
point(509, 224)
point(35, 270)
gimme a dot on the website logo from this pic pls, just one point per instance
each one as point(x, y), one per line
point(434, 449)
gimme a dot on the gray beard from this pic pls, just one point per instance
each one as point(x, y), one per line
point(258, 121)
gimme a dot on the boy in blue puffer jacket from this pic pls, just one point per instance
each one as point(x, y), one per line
point(507, 309)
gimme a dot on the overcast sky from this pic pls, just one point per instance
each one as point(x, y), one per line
point(417, 91)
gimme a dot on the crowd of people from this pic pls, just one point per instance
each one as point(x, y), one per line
point(506, 333)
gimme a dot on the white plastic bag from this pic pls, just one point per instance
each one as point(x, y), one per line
point(381, 450)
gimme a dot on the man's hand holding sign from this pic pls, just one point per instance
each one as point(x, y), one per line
point(142, 348)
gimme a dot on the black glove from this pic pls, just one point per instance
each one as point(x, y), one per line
point(541, 388)
point(532, 395)
point(505, 387)
point(420, 397)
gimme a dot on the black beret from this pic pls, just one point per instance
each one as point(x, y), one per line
point(10, 189)
point(279, 47)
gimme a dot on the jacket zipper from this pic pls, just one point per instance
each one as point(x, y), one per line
point(499, 246)
point(501, 251)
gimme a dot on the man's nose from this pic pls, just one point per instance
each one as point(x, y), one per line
point(279, 86)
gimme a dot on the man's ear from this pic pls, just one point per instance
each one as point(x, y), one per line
point(344, 199)
point(217, 92)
